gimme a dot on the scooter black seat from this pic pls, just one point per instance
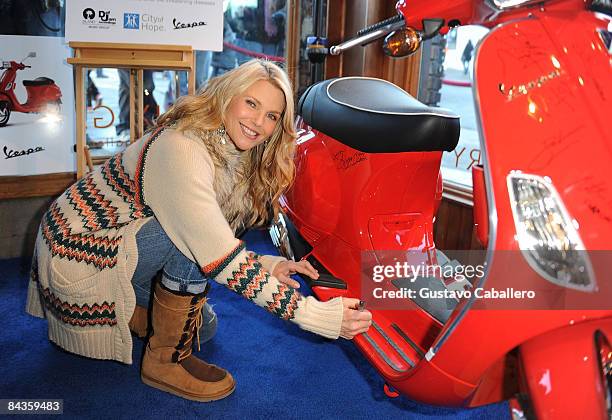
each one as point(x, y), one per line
point(376, 116)
point(39, 81)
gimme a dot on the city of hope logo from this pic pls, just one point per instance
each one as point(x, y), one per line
point(131, 20)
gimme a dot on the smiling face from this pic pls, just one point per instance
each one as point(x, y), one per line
point(253, 115)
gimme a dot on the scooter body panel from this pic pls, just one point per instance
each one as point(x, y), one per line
point(548, 79)
point(369, 200)
point(7, 80)
point(40, 96)
point(543, 85)
point(485, 336)
point(344, 201)
point(563, 366)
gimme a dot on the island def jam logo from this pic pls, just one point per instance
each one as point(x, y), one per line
point(104, 18)
point(89, 14)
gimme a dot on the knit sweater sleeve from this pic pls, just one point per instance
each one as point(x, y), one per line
point(269, 262)
point(177, 185)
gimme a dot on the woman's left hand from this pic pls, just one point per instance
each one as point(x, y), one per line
point(284, 269)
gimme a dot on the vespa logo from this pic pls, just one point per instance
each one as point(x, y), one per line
point(89, 13)
point(131, 20)
point(514, 92)
point(10, 153)
point(185, 25)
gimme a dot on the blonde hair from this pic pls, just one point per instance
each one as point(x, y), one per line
point(269, 167)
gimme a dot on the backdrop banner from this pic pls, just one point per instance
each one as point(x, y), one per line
point(198, 23)
point(37, 89)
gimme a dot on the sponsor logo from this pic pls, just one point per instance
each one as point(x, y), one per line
point(10, 153)
point(89, 13)
point(131, 20)
point(152, 23)
point(105, 19)
point(512, 92)
point(185, 25)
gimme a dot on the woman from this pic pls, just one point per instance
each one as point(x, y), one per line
point(216, 163)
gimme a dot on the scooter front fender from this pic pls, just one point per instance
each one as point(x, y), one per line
point(5, 97)
point(561, 371)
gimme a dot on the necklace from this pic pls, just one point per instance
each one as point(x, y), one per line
point(223, 137)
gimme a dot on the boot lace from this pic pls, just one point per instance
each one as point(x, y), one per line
point(197, 321)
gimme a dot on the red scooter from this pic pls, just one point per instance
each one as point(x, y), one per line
point(368, 163)
point(43, 93)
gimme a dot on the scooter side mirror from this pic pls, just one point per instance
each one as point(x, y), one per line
point(30, 54)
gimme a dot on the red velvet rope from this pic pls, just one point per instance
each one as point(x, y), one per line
point(253, 53)
point(459, 83)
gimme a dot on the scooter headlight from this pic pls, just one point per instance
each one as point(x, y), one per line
point(547, 235)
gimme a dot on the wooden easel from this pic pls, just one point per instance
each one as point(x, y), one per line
point(134, 57)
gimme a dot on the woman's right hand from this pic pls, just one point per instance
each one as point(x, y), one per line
point(354, 321)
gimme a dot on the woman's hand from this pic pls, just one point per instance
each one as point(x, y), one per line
point(284, 269)
point(354, 321)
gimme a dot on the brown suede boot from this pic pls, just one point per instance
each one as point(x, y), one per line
point(139, 323)
point(168, 363)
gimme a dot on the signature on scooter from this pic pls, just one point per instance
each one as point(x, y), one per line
point(9, 153)
point(345, 162)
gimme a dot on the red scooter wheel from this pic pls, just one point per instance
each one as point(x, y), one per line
point(5, 112)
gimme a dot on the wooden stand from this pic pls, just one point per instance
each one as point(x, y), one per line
point(134, 57)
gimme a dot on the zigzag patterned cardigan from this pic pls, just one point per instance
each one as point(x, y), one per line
point(86, 249)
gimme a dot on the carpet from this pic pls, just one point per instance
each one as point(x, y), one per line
point(280, 370)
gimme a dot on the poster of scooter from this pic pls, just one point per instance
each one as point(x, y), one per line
point(36, 106)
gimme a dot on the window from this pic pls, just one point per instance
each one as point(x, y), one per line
point(108, 108)
point(252, 28)
point(446, 81)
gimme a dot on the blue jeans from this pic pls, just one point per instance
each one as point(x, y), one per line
point(156, 252)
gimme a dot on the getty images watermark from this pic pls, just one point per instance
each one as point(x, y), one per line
point(458, 281)
point(437, 281)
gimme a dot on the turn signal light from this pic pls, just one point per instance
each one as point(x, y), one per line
point(403, 42)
